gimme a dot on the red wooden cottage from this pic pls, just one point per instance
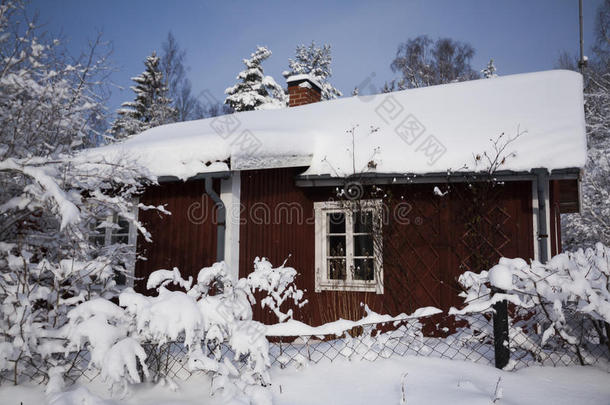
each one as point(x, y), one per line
point(379, 199)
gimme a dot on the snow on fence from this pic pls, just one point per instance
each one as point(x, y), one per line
point(469, 339)
point(462, 337)
point(472, 340)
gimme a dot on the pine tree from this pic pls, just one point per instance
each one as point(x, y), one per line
point(315, 62)
point(151, 107)
point(490, 71)
point(254, 90)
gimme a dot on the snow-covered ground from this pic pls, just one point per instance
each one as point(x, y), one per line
point(428, 381)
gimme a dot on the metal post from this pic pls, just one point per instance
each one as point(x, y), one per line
point(220, 219)
point(501, 344)
point(581, 63)
point(542, 182)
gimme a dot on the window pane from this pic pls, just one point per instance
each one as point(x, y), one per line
point(363, 222)
point(123, 226)
point(120, 239)
point(336, 222)
point(364, 269)
point(363, 245)
point(336, 246)
point(336, 269)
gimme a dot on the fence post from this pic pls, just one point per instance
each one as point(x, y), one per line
point(501, 343)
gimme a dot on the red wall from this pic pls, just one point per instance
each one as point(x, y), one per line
point(185, 239)
point(422, 259)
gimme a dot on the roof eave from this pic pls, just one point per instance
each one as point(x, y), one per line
point(413, 178)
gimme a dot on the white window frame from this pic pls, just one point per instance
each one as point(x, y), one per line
point(322, 282)
point(132, 239)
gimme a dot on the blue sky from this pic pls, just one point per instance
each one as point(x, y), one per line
point(521, 36)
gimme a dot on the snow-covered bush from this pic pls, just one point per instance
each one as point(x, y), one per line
point(52, 199)
point(568, 297)
point(212, 316)
point(278, 284)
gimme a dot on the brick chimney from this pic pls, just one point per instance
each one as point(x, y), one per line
point(303, 89)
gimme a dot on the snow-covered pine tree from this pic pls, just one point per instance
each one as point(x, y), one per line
point(316, 62)
point(254, 90)
point(152, 106)
point(490, 70)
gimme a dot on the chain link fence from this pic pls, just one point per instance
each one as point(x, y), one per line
point(465, 337)
point(383, 340)
point(579, 341)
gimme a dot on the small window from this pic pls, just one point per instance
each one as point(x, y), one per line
point(113, 230)
point(348, 246)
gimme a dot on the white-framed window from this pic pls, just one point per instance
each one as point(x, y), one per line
point(115, 229)
point(349, 246)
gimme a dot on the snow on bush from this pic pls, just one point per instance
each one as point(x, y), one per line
point(53, 201)
point(212, 317)
point(278, 283)
point(568, 296)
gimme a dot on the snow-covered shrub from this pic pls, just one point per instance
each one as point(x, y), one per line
point(102, 328)
point(278, 284)
point(53, 199)
point(568, 297)
point(49, 263)
point(212, 316)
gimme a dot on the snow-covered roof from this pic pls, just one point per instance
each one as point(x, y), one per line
point(425, 130)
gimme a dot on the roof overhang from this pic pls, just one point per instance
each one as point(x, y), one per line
point(270, 162)
point(428, 178)
point(198, 176)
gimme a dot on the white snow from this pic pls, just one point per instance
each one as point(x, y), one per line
point(303, 76)
point(296, 328)
point(428, 381)
point(501, 277)
point(456, 120)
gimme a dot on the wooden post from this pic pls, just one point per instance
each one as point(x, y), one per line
point(501, 343)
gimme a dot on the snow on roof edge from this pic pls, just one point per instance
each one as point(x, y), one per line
point(549, 104)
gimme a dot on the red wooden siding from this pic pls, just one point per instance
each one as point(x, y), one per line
point(186, 239)
point(568, 192)
point(423, 255)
